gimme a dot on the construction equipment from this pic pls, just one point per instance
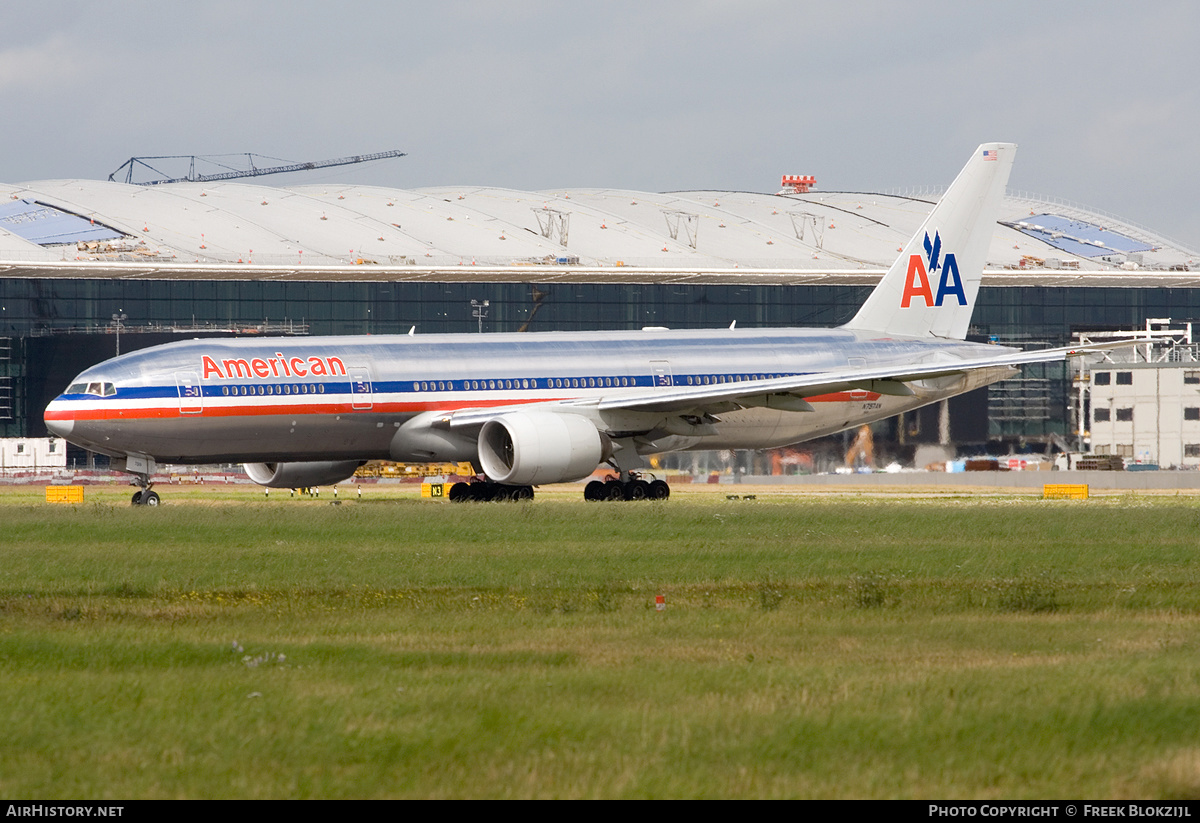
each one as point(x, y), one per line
point(861, 454)
point(388, 469)
point(254, 171)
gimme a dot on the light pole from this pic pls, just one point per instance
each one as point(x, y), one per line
point(479, 311)
point(117, 318)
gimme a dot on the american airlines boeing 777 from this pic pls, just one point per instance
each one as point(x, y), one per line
point(535, 408)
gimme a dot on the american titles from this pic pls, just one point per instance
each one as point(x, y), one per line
point(277, 366)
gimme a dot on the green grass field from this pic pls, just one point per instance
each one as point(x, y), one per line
point(227, 646)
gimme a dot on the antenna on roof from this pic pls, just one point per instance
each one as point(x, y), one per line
point(233, 173)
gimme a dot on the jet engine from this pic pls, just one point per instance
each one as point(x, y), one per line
point(300, 475)
point(527, 448)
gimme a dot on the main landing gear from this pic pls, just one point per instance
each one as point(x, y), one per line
point(482, 491)
point(635, 488)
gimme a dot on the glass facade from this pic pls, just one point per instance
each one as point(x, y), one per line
point(30, 306)
point(78, 309)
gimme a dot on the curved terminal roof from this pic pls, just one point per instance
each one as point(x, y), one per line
point(81, 221)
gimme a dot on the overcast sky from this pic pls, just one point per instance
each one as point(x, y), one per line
point(1103, 97)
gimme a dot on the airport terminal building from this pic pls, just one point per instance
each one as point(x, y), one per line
point(88, 268)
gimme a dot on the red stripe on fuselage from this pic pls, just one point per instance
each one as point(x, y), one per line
point(843, 397)
point(149, 413)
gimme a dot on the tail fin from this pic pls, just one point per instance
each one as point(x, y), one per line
point(930, 290)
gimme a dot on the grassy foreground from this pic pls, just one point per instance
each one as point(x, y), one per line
point(963, 648)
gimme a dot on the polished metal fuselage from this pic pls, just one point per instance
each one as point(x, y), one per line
point(343, 398)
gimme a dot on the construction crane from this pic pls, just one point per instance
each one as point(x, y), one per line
point(254, 171)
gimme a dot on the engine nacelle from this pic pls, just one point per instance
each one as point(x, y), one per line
point(300, 475)
point(527, 448)
point(423, 440)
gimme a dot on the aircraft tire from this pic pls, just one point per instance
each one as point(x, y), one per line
point(659, 490)
point(613, 491)
point(136, 500)
point(150, 498)
point(460, 492)
point(637, 490)
point(520, 494)
point(594, 490)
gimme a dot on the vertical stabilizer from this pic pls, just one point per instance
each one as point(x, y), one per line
point(930, 290)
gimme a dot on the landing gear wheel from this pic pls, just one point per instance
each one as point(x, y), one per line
point(145, 497)
point(482, 492)
point(613, 490)
point(659, 490)
point(637, 490)
point(594, 490)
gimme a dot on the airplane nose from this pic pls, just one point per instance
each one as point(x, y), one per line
point(59, 424)
point(60, 428)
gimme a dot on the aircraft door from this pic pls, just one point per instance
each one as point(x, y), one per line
point(360, 388)
point(660, 372)
point(191, 394)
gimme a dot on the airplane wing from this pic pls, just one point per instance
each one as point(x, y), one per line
point(789, 392)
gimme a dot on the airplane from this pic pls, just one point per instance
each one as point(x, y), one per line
point(527, 409)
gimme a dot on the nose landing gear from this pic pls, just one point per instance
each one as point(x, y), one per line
point(145, 498)
point(141, 467)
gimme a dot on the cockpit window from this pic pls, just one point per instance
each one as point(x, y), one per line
point(99, 389)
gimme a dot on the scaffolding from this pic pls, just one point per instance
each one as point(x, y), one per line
point(6, 384)
point(803, 221)
point(552, 222)
point(1164, 345)
point(689, 221)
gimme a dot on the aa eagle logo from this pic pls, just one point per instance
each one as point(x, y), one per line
point(916, 283)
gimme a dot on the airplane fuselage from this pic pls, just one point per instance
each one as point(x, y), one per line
point(361, 398)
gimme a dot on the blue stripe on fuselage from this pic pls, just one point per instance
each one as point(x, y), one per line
point(526, 383)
